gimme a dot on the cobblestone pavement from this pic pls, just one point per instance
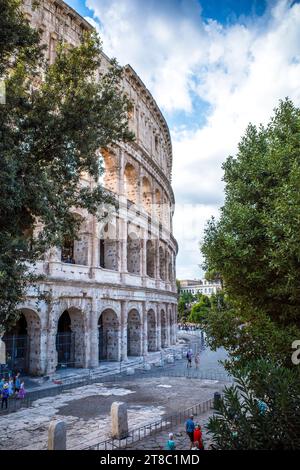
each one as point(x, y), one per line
point(159, 440)
point(86, 410)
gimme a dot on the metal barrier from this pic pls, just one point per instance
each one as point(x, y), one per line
point(140, 433)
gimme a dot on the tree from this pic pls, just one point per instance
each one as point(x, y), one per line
point(200, 309)
point(261, 411)
point(255, 244)
point(51, 132)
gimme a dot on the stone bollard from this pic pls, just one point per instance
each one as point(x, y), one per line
point(129, 371)
point(170, 359)
point(147, 366)
point(119, 420)
point(57, 436)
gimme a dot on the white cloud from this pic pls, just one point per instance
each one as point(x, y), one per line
point(241, 71)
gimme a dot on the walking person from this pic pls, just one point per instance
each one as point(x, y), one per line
point(189, 358)
point(17, 383)
point(5, 395)
point(198, 437)
point(189, 428)
point(11, 387)
point(171, 443)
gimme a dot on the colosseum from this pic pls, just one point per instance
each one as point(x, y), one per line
point(111, 293)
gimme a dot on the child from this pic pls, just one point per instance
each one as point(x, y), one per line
point(22, 392)
point(170, 443)
point(198, 437)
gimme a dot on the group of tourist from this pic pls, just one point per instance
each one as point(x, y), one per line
point(194, 433)
point(189, 357)
point(188, 327)
point(11, 387)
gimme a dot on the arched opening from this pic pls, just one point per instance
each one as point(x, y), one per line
point(130, 183)
point(147, 195)
point(108, 336)
point(109, 248)
point(75, 251)
point(163, 324)
point(151, 331)
point(134, 334)
point(157, 204)
point(70, 339)
point(133, 253)
point(17, 346)
point(162, 263)
point(150, 258)
point(108, 174)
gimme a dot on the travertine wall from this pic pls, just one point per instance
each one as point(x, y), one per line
point(119, 285)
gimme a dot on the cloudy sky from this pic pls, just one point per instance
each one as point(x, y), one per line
point(213, 66)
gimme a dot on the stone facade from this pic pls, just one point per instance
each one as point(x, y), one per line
point(112, 292)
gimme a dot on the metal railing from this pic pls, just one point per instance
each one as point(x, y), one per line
point(142, 432)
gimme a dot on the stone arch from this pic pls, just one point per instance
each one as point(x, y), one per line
point(134, 333)
point(109, 178)
point(133, 253)
point(151, 331)
point(130, 183)
point(70, 339)
point(147, 195)
point(163, 329)
point(23, 343)
point(162, 263)
point(150, 260)
point(158, 204)
point(109, 247)
point(108, 335)
point(76, 251)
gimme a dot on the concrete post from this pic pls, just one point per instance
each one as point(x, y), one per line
point(57, 436)
point(119, 420)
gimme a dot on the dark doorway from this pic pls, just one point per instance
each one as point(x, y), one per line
point(65, 342)
point(16, 345)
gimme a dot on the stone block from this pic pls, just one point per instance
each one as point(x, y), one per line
point(119, 420)
point(129, 371)
point(170, 359)
point(147, 366)
point(57, 436)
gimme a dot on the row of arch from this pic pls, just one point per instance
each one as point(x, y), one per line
point(114, 338)
point(152, 199)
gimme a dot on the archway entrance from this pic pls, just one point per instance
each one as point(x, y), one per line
point(134, 346)
point(65, 342)
point(17, 346)
point(108, 336)
point(151, 331)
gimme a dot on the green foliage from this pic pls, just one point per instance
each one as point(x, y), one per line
point(50, 133)
point(240, 423)
point(200, 309)
point(255, 244)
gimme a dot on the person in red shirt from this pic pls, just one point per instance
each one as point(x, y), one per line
point(198, 436)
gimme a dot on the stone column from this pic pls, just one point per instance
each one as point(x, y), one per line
point(123, 335)
point(57, 436)
point(123, 245)
point(158, 328)
point(94, 336)
point(143, 258)
point(51, 356)
point(144, 330)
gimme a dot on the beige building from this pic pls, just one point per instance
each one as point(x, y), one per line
point(112, 293)
point(200, 286)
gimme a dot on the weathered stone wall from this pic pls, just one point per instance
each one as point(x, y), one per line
point(119, 289)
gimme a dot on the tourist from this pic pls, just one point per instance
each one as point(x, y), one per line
point(198, 436)
point(171, 443)
point(17, 383)
point(195, 446)
point(2, 382)
point(22, 392)
point(5, 395)
point(11, 386)
point(189, 358)
point(190, 427)
point(197, 360)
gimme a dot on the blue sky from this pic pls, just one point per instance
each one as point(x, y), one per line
point(213, 66)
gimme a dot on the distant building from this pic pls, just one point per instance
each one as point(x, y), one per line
point(200, 286)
